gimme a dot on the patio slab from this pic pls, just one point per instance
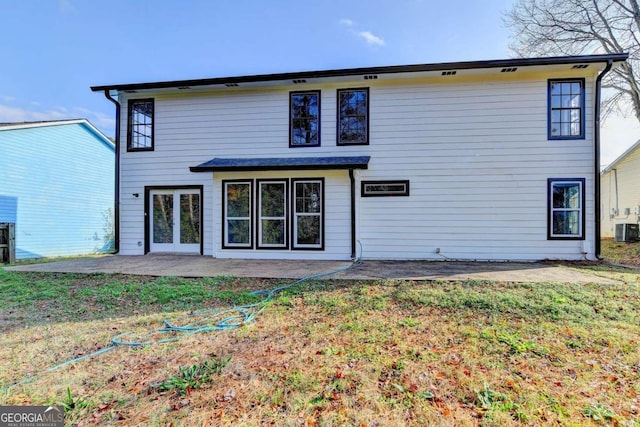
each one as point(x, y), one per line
point(205, 266)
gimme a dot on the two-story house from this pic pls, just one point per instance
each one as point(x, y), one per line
point(484, 160)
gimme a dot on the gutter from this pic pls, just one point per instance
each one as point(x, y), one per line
point(596, 160)
point(116, 207)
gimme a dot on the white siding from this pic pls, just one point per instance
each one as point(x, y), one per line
point(476, 154)
point(625, 196)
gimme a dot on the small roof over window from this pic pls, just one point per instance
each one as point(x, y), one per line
point(282, 163)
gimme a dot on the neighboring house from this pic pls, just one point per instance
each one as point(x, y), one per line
point(57, 186)
point(484, 160)
point(620, 182)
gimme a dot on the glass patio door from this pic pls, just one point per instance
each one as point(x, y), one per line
point(175, 221)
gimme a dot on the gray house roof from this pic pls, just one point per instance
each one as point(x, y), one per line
point(281, 163)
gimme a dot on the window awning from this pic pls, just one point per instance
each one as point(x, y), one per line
point(281, 163)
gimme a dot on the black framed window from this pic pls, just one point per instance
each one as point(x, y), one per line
point(384, 188)
point(308, 214)
point(566, 212)
point(304, 119)
point(272, 214)
point(353, 116)
point(140, 125)
point(566, 114)
point(288, 214)
point(237, 225)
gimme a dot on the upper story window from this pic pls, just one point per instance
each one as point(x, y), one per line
point(304, 119)
point(140, 125)
point(566, 109)
point(353, 116)
point(566, 208)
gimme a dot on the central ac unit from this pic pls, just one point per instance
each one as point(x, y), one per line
point(627, 232)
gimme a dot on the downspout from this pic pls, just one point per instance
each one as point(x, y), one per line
point(116, 213)
point(353, 214)
point(596, 166)
point(615, 183)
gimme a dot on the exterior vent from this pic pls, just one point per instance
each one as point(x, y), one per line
point(184, 87)
point(299, 81)
point(130, 91)
point(231, 84)
point(627, 233)
point(449, 73)
point(371, 77)
point(579, 66)
point(508, 70)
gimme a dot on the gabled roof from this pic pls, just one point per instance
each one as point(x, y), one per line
point(623, 156)
point(504, 65)
point(282, 163)
point(45, 123)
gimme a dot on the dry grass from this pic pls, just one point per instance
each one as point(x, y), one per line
point(390, 353)
point(621, 253)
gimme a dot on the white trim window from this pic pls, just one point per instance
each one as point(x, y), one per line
point(272, 214)
point(308, 214)
point(566, 208)
point(237, 230)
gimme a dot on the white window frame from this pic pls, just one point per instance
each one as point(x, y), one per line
point(226, 244)
point(580, 182)
point(260, 217)
point(296, 214)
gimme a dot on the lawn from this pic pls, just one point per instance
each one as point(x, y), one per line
point(326, 352)
point(621, 252)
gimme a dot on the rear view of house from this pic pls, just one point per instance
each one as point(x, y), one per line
point(486, 160)
point(57, 187)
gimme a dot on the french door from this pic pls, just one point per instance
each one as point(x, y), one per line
point(175, 220)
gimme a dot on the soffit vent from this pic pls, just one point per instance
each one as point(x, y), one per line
point(184, 87)
point(508, 70)
point(231, 84)
point(580, 66)
point(449, 73)
point(299, 81)
point(371, 77)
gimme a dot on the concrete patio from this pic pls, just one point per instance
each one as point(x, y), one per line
point(205, 266)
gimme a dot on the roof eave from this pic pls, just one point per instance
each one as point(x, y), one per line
point(467, 65)
point(623, 156)
point(277, 164)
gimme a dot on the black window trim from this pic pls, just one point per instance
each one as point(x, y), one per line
point(364, 193)
point(317, 92)
point(322, 214)
point(338, 142)
point(287, 198)
point(130, 105)
point(254, 189)
point(583, 213)
point(582, 109)
point(224, 214)
point(148, 211)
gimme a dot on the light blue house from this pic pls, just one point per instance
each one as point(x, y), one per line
point(57, 186)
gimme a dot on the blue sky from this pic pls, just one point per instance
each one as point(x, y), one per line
point(53, 50)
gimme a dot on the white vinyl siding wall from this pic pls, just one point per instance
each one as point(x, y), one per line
point(627, 193)
point(476, 154)
point(478, 159)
